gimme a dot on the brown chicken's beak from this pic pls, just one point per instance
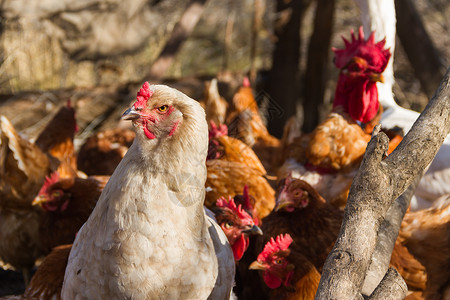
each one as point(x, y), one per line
point(256, 265)
point(282, 202)
point(281, 205)
point(131, 114)
point(375, 77)
point(253, 230)
point(39, 200)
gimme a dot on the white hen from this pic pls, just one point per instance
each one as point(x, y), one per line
point(379, 16)
point(148, 237)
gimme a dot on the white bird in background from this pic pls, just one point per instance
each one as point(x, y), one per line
point(379, 16)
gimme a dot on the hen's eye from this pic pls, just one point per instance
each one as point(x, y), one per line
point(354, 68)
point(278, 261)
point(56, 194)
point(228, 225)
point(163, 108)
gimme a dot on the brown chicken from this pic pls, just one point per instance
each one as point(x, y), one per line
point(286, 271)
point(409, 267)
point(215, 106)
point(56, 140)
point(23, 169)
point(231, 165)
point(23, 166)
point(67, 203)
point(221, 146)
point(102, 152)
point(426, 234)
point(237, 224)
point(312, 223)
point(229, 178)
point(245, 123)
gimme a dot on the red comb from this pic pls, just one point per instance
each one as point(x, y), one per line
point(217, 131)
point(143, 95)
point(246, 82)
point(374, 54)
point(242, 214)
point(49, 180)
point(282, 242)
point(246, 195)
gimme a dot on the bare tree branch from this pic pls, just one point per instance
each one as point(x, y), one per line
point(378, 183)
point(387, 236)
point(392, 286)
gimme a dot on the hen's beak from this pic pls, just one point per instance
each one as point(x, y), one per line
point(376, 77)
point(39, 200)
point(282, 202)
point(256, 265)
point(131, 114)
point(279, 206)
point(253, 230)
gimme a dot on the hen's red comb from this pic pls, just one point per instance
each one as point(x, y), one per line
point(246, 195)
point(282, 242)
point(217, 131)
point(49, 180)
point(143, 95)
point(246, 82)
point(374, 53)
point(242, 214)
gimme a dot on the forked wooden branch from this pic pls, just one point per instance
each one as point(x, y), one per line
point(392, 286)
point(387, 235)
point(376, 186)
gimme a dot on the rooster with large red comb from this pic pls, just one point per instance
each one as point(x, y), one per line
point(361, 62)
point(328, 157)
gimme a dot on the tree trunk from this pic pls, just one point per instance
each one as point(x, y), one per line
point(378, 183)
point(418, 46)
point(258, 12)
point(228, 40)
point(180, 33)
point(317, 66)
point(284, 75)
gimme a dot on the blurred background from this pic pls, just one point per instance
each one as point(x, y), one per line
point(70, 49)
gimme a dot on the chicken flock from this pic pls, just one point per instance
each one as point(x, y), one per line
point(195, 205)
